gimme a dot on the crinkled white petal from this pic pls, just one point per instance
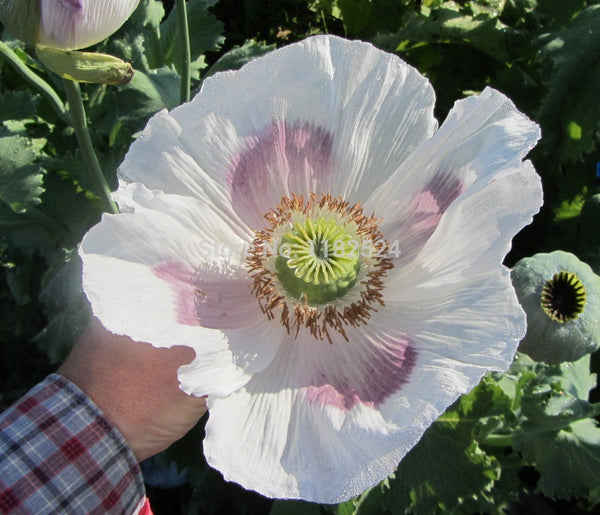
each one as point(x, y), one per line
point(72, 24)
point(142, 272)
point(474, 234)
point(477, 321)
point(253, 348)
point(271, 440)
point(461, 332)
point(376, 107)
point(313, 447)
point(191, 229)
point(299, 446)
point(309, 423)
point(386, 111)
point(162, 160)
point(320, 115)
point(482, 137)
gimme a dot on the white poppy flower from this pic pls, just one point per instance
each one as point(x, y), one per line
point(333, 258)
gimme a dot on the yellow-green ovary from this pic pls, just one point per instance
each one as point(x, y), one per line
point(319, 259)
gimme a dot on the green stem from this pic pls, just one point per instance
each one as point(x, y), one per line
point(186, 56)
point(594, 410)
point(41, 85)
point(497, 440)
point(79, 123)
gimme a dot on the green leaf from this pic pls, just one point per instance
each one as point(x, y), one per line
point(557, 395)
point(576, 378)
point(448, 469)
point(574, 130)
point(203, 26)
point(557, 437)
point(368, 17)
point(239, 56)
point(25, 232)
point(71, 165)
point(371, 502)
point(59, 221)
point(426, 479)
point(20, 178)
point(463, 46)
point(69, 209)
point(346, 508)
point(146, 94)
point(327, 7)
point(295, 508)
point(570, 208)
point(452, 24)
point(555, 14)
point(570, 112)
point(66, 307)
point(568, 461)
point(520, 373)
point(487, 399)
point(355, 14)
point(151, 43)
point(148, 14)
point(138, 41)
point(18, 105)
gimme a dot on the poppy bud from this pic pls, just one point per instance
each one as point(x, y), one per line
point(86, 66)
point(22, 18)
point(65, 24)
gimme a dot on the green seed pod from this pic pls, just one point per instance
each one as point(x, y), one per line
point(561, 297)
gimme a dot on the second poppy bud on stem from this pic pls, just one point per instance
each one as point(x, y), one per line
point(85, 66)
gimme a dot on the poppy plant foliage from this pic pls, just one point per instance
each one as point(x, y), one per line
point(332, 256)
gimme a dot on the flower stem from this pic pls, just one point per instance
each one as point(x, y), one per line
point(40, 84)
point(186, 56)
point(495, 440)
point(79, 123)
point(594, 410)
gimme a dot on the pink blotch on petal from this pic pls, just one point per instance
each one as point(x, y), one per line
point(283, 159)
point(224, 302)
point(377, 382)
point(425, 202)
point(181, 279)
point(431, 203)
point(424, 214)
point(209, 298)
point(75, 5)
point(445, 188)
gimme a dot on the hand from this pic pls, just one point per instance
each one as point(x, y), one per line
point(135, 385)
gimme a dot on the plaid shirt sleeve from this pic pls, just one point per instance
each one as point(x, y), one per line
point(59, 454)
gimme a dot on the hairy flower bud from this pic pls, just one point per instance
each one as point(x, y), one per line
point(86, 66)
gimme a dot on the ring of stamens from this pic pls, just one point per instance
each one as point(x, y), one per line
point(563, 297)
point(320, 265)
